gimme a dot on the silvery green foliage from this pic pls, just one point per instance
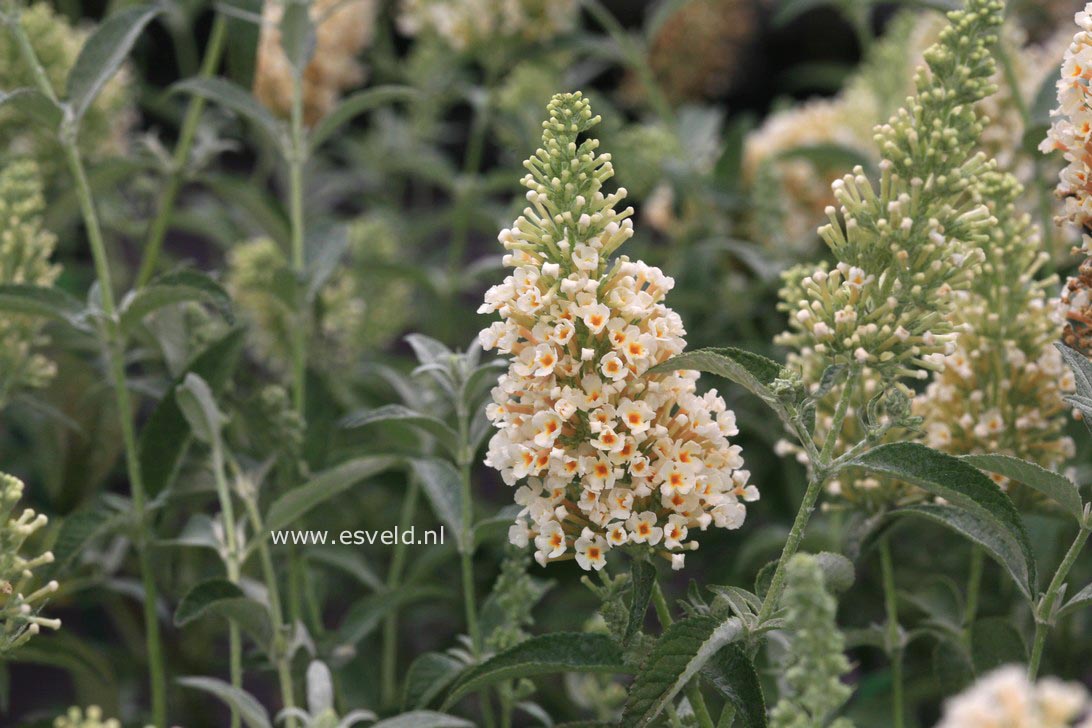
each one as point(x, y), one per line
point(20, 601)
point(25, 252)
point(105, 125)
point(904, 247)
point(815, 661)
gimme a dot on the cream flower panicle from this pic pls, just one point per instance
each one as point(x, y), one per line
point(1005, 697)
point(20, 602)
point(25, 251)
point(1072, 129)
point(468, 25)
point(609, 455)
point(91, 717)
point(343, 28)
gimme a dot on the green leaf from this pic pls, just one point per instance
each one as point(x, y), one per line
point(996, 642)
point(961, 484)
point(103, 53)
point(733, 675)
point(427, 677)
point(199, 407)
point(952, 667)
point(44, 301)
point(423, 719)
point(81, 528)
point(754, 372)
point(222, 598)
point(166, 435)
point(443, 486)
point(177, 287)
point(324, 486)
point(1082, 369)
point(789, 10)
point(250, 711)
point(1053, 485)
point(433, 426)
point(357, 104)
point(985, 532)
point(1080, 600)
point(682, 650)
point(541, 655)
point(642, 578)
point(297, 34)
point(234, 98)
point(366, 614)
point(34, 104)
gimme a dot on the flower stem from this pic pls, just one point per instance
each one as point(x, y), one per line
point(231, 562)
point(114, 349)
point(974, 585)
point(297, 155)
point(157, 231)
point(1044, 613)
point(894, 646)
point(276, 614)
point(394, 579)
point(693, 688)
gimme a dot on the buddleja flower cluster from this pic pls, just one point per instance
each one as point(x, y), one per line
point(1072, 130)
point(92, 717)
point(468, 25)
point(25, 250)
point(1005, 697)
point(610, 454)
point(360, 307)
point(105, 126)
point(1001, 389)
point(343, 28)
point(904, 248)
point(19, 620)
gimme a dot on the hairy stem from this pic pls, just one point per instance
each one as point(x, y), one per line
point(114, 346)
point(157, 230)
point(231, 542)
point(1044, 613)
point(894, 645)
point(388, 676)
point(693, 689)
point(276, 614)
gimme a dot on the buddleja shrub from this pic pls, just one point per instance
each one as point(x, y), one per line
point(923, 384)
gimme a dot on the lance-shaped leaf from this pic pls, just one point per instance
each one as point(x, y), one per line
point(233, 98)
point(166, 435)
point(443, 486)
point(1080, 600)
point(81, 527)
point(243, 703)
point(297, 34)
point(222, 598)
point(754, 372)
point(427, 677)
point(177, 287)
point(366, 614)
point(324, 486)
point(424, 719)
point(357, 104)
point(198, 405)
point(982, 530)
point(397, 413)
point(1055, 486)
point(45, 301)
point(103, 53)
point(960, 484)
point(34, 104)
point(542, 655)
point(682, 650)
point(733, 675)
